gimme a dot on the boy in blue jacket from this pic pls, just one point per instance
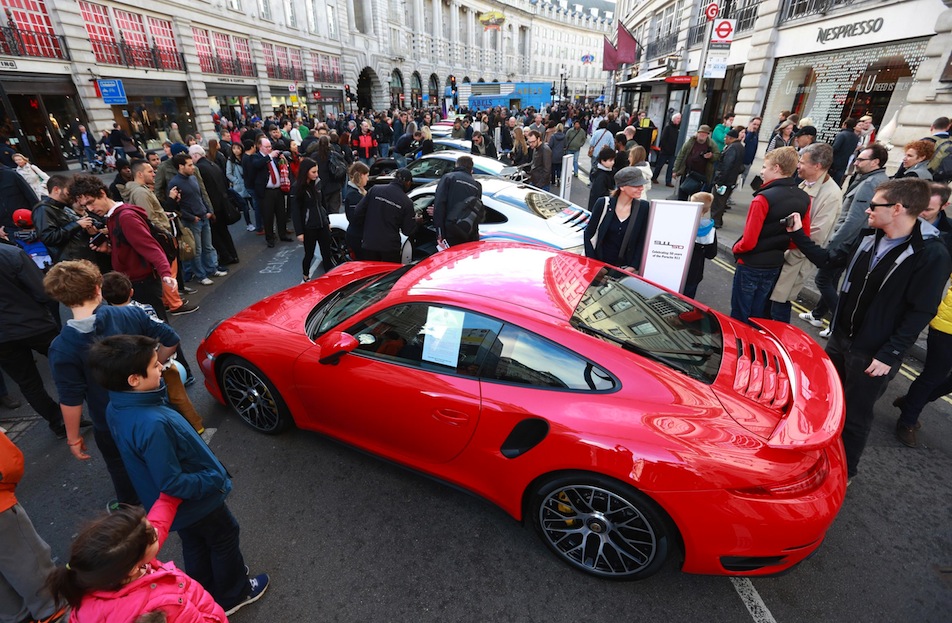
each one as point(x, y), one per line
point(164, 454)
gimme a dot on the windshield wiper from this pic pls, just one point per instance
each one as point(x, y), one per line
point(654, 354)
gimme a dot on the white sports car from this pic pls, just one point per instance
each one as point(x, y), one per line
point(514, 212)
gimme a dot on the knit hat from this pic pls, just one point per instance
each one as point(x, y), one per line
point(734, 133)
point(630, 176)
point(196, 151)
point(178, 148)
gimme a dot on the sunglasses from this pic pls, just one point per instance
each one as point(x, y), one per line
point(873, 205)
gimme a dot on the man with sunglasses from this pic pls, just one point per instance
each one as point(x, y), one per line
point(895, 278)
point(871, 172)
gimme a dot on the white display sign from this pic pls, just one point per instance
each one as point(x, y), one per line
point(442, 334)
point(565, 182)
point(672, 229)
point(716, 65)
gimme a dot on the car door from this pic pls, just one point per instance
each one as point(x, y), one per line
point(409, 391)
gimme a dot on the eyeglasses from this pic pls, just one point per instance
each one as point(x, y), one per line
point(862, 159)
point(873, 205)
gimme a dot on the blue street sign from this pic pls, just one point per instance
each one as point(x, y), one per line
point(112, 92)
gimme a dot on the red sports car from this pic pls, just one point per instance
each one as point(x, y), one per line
point(625, 422)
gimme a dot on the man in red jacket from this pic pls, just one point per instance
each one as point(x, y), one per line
point(134, 250)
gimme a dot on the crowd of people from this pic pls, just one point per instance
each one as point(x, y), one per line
point(121, 256)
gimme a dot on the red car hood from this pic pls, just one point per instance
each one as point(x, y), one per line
point(780, 385)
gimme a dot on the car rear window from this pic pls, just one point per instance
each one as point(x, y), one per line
point(528, 199)
point(665, 327)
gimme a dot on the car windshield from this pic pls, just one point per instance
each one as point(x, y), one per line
point(528, 199)
point(656, 324)
point(350, 299)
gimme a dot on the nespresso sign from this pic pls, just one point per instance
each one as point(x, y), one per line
point(855, 29)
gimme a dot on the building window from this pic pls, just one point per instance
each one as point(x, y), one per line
point(336, 75)
point(264, 9)
point(243, 55)
point(99, 29)
point(35, 36)
point(312, 13)
point(331, 22)
point(203, 47)
point(290, 13)
point(164, 40)
point(234, 5)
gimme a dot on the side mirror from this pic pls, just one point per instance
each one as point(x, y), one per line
point(335, 345)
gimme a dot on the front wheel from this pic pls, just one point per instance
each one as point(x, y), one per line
point(253, 397)
point(339, 250)
point(601, 526)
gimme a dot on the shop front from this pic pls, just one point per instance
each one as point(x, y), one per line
point(289, 100)
point(327, 101)
point(153, 105)
point(40, 114)
point(234, 99)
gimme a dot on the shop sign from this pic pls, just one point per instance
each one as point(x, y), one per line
point(113, 93)
point(679, 79)
point(5, 64)
point(855, 29)
point(231, 80)
point(722, 35)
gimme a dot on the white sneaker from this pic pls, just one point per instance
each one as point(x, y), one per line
point(825, 333)
point(250, 228)
point(206, 281)
point(219, 273)
point(808, 317)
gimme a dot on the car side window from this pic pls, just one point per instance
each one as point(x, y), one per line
point(431, 337)
point(422, 202)
point(430, 167)
point(494, 216)
point(521, 357)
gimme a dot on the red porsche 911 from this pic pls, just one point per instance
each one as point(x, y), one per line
point(624, 422)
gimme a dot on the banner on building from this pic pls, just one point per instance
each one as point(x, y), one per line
point(492, 20)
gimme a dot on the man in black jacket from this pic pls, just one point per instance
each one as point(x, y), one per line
point(64, 233)
point(844, 144)
point(271, 200)
point(26, 326)
point(452, 193)
point(895, 278)
point(217, 186)
point(725, 177)
point(668, 143)
point(384, 212)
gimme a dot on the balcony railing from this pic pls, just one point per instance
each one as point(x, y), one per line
point(746, 17)
point(795, 9)
point(282, 72)
point(212, 63)
point(328, 76)
point(662, 45)
point(122, 53)
point(17, 42)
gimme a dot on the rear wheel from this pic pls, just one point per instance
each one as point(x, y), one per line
point(253, 397)
point(601, 526)
point(340, 252)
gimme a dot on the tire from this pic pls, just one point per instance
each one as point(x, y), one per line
point(601, 526)
point(253, 397)
point(340, 252)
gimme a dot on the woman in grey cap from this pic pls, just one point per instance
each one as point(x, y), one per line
point(616, 232)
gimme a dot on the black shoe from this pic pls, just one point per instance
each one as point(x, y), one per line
point(271, 244)
point(9, 402)
point(59, 429)
point(286, 239)
point(85, 423)
point(188, 290)
point(190, 380)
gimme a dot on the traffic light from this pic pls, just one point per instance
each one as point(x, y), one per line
point(453, 83)
point(552, 90)
point(350, 96)
point(565, 91)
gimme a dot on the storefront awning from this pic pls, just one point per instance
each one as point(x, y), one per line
point(648, 76)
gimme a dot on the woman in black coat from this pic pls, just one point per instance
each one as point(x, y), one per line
point(616, 231)
point(311, 223)
point(603, 179)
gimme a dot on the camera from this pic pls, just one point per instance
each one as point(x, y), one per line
point(98, 239)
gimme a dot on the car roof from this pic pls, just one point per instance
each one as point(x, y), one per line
point(488, 164)
point(536, 279)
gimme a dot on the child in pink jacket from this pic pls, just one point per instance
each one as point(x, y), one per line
point(112, 574)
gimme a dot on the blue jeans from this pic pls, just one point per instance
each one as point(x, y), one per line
point(575, 161)
point(87, 155)
point(827, 283)
point(367, 161)
point(781, 312)
point(401, 159)
point(751, 291)
point(213, 557)
point(206, 258)
point(257, 210)
point(384, 149)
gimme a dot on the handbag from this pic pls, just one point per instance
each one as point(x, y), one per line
point(231, 212)
point(186, 244)
point(692, 183)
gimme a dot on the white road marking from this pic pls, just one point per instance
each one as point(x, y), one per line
point(208, 434)
point(751, 598)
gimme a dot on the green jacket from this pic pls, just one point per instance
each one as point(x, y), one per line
point(680, 165)
point(574, 139)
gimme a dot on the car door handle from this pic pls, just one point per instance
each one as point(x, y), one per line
point(450, 416)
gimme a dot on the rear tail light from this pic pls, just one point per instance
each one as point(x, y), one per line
point(808, 481)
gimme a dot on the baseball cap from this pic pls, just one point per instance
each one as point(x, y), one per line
point(403, 176)
point(807, 130)
point(23, 218)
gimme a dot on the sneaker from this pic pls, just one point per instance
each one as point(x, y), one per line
point(188, 290)
point(259, 584)
point(189, 381)
point(206, 281)
point(305, 279)
point(219, 273)
point(825, 333)
point(184, 308)
point(250, 228)
point(808, 317)
point(906, 434)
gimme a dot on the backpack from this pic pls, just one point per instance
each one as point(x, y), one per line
point(471, 213)
point(336, 166)
point(166, 240)
point(26, 239)
point(941, 164)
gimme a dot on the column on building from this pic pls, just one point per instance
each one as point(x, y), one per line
point(196, 86)
point(454, 34)
point(264, 86)
point(929, 98)
point(759, 67)
point(84, 67)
